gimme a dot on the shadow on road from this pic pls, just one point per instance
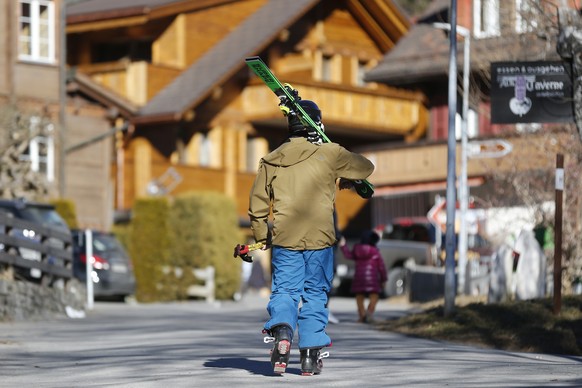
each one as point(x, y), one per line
point(263, 368)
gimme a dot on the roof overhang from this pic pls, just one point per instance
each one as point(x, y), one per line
point(97, 14)
point(84, 84)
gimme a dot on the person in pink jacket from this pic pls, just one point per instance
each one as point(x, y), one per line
point(370, 276)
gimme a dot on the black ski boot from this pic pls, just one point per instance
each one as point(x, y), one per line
point(311, 361)
point(282, 336)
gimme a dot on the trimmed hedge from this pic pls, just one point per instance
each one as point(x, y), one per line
point(150, 245)
point(167, 240)
point(205, 232)
point(66, 209)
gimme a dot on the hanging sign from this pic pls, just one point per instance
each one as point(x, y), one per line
point(531, 92)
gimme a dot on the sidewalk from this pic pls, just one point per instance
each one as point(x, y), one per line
point(195, 344)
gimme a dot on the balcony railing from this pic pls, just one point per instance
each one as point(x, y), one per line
point(136, 81)
point(373, 112)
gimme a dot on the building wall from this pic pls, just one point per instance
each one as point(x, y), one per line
point(36, 81)
point(5, 47)
point(31, 87)
point(88, 170)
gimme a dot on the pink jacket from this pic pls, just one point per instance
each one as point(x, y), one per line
point(370, 268)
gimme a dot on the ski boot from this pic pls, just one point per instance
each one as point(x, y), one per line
point(311, 361)
point(282, 336)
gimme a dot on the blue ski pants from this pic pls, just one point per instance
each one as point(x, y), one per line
point(304, 276)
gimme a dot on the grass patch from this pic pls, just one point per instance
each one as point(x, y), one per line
point(524, 326)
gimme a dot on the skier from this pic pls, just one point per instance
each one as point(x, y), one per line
point(297, 183)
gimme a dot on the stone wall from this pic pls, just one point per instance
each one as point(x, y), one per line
point(24, 301)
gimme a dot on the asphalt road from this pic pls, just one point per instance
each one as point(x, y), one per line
point(196, 344)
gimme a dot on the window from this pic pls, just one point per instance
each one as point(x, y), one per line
point(37, 31)
point(362, 67)
point(205, 151)
point(326, 68)
point(526, 16)
point(486, 18)
point(41, 149)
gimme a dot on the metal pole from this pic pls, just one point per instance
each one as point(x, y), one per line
point(558, 235)
point(450, 288)
point(463, 186)
point(62, 176)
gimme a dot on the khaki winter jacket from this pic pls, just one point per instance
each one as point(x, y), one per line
point(298, 180)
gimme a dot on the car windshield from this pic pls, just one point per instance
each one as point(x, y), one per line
point(43, 216)
point(413, 232)
point(104, 242)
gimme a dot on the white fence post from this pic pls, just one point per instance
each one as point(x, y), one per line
point(89, 267)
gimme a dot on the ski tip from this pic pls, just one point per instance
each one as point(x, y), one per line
point(255, 58)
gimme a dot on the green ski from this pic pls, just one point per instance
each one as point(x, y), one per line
point(364, 188)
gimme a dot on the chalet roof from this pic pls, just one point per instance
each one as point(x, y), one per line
point(222, 60)
point(93, 6)
point(437, 11)
point(95, 10)
point(420, 54)
point(423, 53)
point(83, 83)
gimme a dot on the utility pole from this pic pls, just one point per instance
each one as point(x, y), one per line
point(463, 185)
point(558, 234)
point(450, 283)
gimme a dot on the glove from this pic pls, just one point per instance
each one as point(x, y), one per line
point(359, 186)
point(283, 106)
point(294, 93)
point(242, 251)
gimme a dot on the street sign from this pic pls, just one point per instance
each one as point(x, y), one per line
point(435, 214)
point(488, 149)
point(531, 92)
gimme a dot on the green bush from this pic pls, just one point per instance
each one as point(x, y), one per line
point(150, 250)
point(123, 233)
point(205, 232)
point(66, 209)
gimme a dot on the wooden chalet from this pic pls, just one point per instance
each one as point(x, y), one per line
point(201, 121)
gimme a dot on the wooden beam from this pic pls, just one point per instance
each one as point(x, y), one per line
point(377, 33)
point(387, 17)
point(185, 7)
point(135, 15)
point(106, 24)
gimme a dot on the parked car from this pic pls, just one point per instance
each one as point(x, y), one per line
point(408, 239)
point(112, 273)
point(43, 214)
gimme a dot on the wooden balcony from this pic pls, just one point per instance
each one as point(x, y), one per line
point(371, 112)
point(411, 164)
point(136, 81)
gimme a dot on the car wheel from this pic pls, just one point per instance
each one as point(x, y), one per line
point(396, 284)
